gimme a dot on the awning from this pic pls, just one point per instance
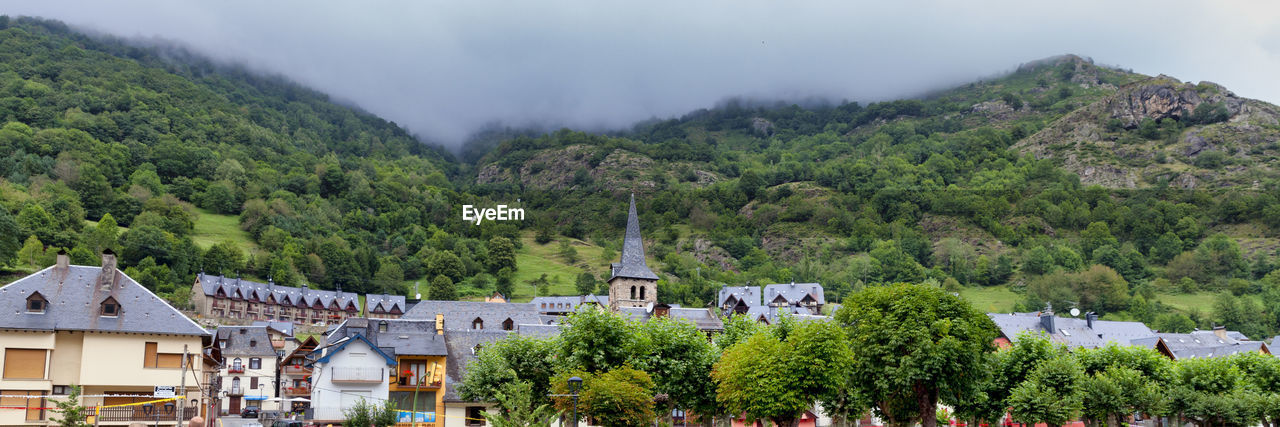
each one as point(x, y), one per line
point(255, 398)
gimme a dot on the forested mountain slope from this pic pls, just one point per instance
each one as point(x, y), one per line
point(985, 188)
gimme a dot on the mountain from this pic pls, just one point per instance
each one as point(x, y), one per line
point(1016, 191)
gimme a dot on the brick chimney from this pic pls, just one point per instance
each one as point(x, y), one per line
point(661, 310)
point(439, 324)
point(107, 277)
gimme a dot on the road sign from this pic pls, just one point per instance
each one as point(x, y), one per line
point(165, 391)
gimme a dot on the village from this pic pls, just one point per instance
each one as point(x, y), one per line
point(257, 353)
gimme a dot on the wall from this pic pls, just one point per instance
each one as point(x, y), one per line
point(36, 340)
point(116, 359)
point(326, 395)
point(455, 413)
point(620, 292)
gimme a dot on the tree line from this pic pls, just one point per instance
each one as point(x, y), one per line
point(898, 351)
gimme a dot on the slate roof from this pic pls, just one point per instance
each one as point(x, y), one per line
point(1073, 332)
point(459, 315)
point(794, 292)
point(538, 331)
point(299, 297)
point(402, 337)
point(632, 265)
point(383, 303)
point(282, 327)
point(567, 304)
point(1203, 344)
point(771, 314)
point(240, 338)
point(74, 301)
point(703, 318)
point(748, 294)
point(461, 347)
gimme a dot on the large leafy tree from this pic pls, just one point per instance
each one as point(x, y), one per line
point(779, 375)
point(10, 241)
point(513, 359)
point(596, 341)
point(680, 358)
point(1051, 393)
point(914, 344)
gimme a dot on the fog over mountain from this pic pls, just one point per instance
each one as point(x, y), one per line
point(444, 69)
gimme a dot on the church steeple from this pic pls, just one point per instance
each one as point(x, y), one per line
point(632, 283)
point(632, 263)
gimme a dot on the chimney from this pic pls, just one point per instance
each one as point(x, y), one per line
point(1089, 318)
point(63, 260)
point(439, 324)
point(107, 277)
point(661, 310)
point(1046, 320)
point(1220, 331)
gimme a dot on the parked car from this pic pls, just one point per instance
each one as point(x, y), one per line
point(249, 412)
point(287, 423)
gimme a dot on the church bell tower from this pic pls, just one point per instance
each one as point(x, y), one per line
point(631, 283)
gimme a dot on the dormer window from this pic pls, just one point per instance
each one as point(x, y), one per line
point(508, 325)
point(36, 303)
point(477, 324)
point(382, 326)
point(253, 343)
point(110, 308)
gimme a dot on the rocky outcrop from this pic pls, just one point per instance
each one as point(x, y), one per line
point(762, 127)
point(1163, 98)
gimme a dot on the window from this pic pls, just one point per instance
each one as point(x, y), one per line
point(253, 383)
point(642, 292)
point(237, 365)
point(382, 326)
point(633, 292)
point(110, 308)
point(253, 343)
point(235, 385)
point(508, 325)
point(255, 363)
point(61, 390)
point(35, 404)
point(22, 363)
point(477, 324)
point(153, 359)
point(36, 303)
point(475, 415)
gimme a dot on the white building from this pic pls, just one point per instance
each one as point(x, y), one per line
point(248, 368)
point(378, 360)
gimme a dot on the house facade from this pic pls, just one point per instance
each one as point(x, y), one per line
point(379, 359)
point(100, 329)
point(295, 375)
point(383, 306)
point(799, 298)
point(221, 297)
point(249, 367)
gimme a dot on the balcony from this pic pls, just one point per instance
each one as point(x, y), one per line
point(357, 375)
point(236, 369)
point(145, 412)
point(297, 391)
point(408, 382)
point(296, 370)
point(235, 391)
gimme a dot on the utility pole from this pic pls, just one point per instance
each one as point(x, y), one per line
point(182, 387)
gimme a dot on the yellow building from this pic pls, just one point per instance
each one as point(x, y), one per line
point(97, 328)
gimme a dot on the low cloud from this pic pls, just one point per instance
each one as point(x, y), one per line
point(444, 69)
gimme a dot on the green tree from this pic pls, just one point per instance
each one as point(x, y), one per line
point(515, 359)
point(504, 284)
point(777, 376)
point(223, 259)
point(1051, 394)
point(596, 341)
point(680, 358)
point(1166, 247)
point(1096, 235)
point(388, 277)
point(442, 289)
point(446, 264)
point(586, 283)
point(502, 254)
point(620, 397)
point(72, 413)
point(10, 243)
point(567, 252)
point(34, 220)
point(32, 252)
point(915, 344)
point(360, 414)
point(517, 408)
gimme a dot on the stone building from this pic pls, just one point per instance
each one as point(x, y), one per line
point(631, 283)
point(227, 298)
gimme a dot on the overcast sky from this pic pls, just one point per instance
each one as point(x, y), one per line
point(442, 69)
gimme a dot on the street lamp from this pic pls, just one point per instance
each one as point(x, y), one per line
point(575, 384)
